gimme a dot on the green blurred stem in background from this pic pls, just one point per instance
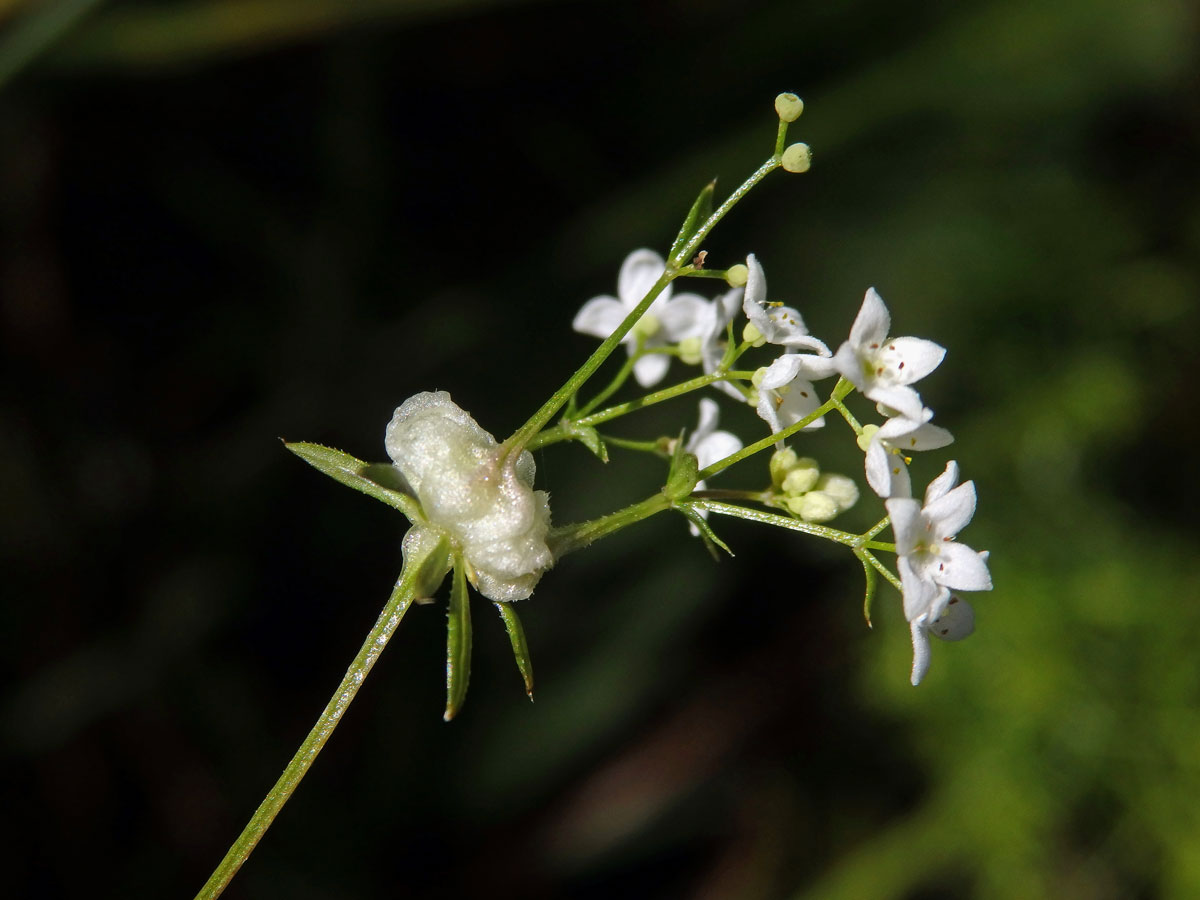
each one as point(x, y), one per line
point(401, 599)
point(36, 30)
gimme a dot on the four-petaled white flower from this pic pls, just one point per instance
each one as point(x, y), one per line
point(669, 319)
point(786, 393)
point(708, 444)
point(932, 563)
point(485, 505)
point(887, 446)
point(778, 324)
point(883, 367)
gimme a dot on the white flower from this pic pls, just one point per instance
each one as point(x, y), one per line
point(665, 322)
point(883, 367)
point(785, 390)
point(777, 323)
point(708, 444)
point(931, 562)
point(719, 313)
point(487, 508)
point(887, 447)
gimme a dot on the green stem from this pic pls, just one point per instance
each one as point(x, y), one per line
point(842, 388)
point(575, 537)
point(849, 417)
point(767, 518)
point(397, 605)
point(731, 201)
point(523, 436)
point(883, 570)
point(642, 446)
point(613, 386)
point(560, 433)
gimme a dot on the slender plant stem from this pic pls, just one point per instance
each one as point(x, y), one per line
point(523, 436)
point(614, 385)
point(689, 249)
point(561, 433)
point(575, 537)
point(397, 605)
point(768, 518)
point(842, 388)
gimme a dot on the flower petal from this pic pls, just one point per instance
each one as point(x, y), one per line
point(707, 424)
point(717, 445)
point(956, 621)
point(962, 569)
point(686, 315)
point(921, 654)
point(638, 273)
point(902, 399)
point(756, 286)
point(950, 513)
point(872, 322)
point(886, 473)
point(911, 359)
point(942, 485)
point(650, 369)
point(600, 317)
point(908, 525)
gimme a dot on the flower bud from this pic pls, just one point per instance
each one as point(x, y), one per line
point(802, 477)
point(689, 351)
point(782, 462)
point(752, 335)
point(736, 275)
point(842, 489)
point(864, 439)
point(797, 158)
point(956, 622)
point(788, 107)
point(815, 506)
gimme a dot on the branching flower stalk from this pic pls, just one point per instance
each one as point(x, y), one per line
point(476, 518)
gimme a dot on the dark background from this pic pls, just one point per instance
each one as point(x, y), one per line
point(226, 222)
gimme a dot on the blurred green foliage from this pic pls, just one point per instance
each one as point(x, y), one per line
point(227, 222)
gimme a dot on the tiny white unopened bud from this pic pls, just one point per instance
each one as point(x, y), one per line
point(815, 506)
point(802, 478)
point(956, 622)
point(797, 158)
point(842, 489)
point(689, 351)
point(736, 275)
point(788, 107)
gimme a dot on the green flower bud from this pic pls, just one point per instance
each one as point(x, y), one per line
point(788, 107)
point(782, 462)
point(802, 477)
point(689, 351)
point(751, 334)
point(815, 506)
point(864, 439)
point(797, 158)
point(736, 275)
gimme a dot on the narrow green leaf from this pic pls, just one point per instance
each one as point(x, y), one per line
point(378, 480)
point(458, 643)
point(520, 649)
point(696, 217)
point(869, 572)
point(711, 541)
point(590, 438)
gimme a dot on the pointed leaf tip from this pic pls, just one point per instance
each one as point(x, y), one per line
point(520, 647)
